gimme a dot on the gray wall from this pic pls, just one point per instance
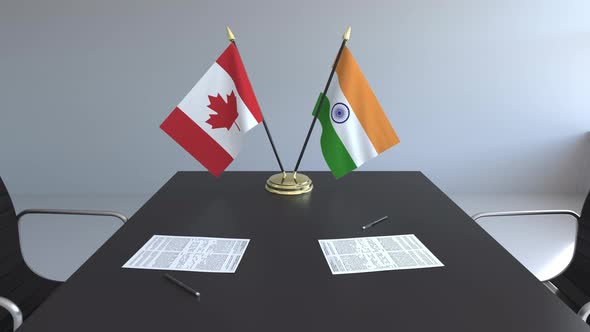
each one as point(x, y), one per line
point(486, 96)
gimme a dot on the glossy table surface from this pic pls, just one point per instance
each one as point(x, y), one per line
point(283, 282)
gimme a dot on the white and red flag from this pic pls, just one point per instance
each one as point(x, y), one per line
point(211, 121)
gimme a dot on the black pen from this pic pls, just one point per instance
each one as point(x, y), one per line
point(183, 285)
point(373, 223)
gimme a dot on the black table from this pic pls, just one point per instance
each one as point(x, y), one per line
point(283, 282)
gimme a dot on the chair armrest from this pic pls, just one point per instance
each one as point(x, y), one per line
point(14, 310)
point(584, 311)
point(524, 213)
point(117, 215)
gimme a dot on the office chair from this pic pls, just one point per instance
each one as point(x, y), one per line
point(21, 290)
point(570, 279)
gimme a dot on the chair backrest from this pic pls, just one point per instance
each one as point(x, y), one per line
point(17, 282)
point(574, 283)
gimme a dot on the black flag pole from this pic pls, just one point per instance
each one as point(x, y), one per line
point(232, 39)
point(345, 38)
point(291, 183)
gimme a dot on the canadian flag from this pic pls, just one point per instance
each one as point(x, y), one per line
point(210, 122)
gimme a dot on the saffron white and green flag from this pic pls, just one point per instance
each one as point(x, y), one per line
point(354, 126)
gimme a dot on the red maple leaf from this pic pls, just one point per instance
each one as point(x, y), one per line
point(226, 112)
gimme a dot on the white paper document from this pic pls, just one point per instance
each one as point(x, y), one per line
point(377, 253)
point(188, 253)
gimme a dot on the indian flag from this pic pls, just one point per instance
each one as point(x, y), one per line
point(354, 126)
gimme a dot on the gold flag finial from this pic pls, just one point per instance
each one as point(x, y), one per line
point(347, 34)
point(230, 35)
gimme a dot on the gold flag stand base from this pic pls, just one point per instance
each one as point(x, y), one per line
point(289, 184)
